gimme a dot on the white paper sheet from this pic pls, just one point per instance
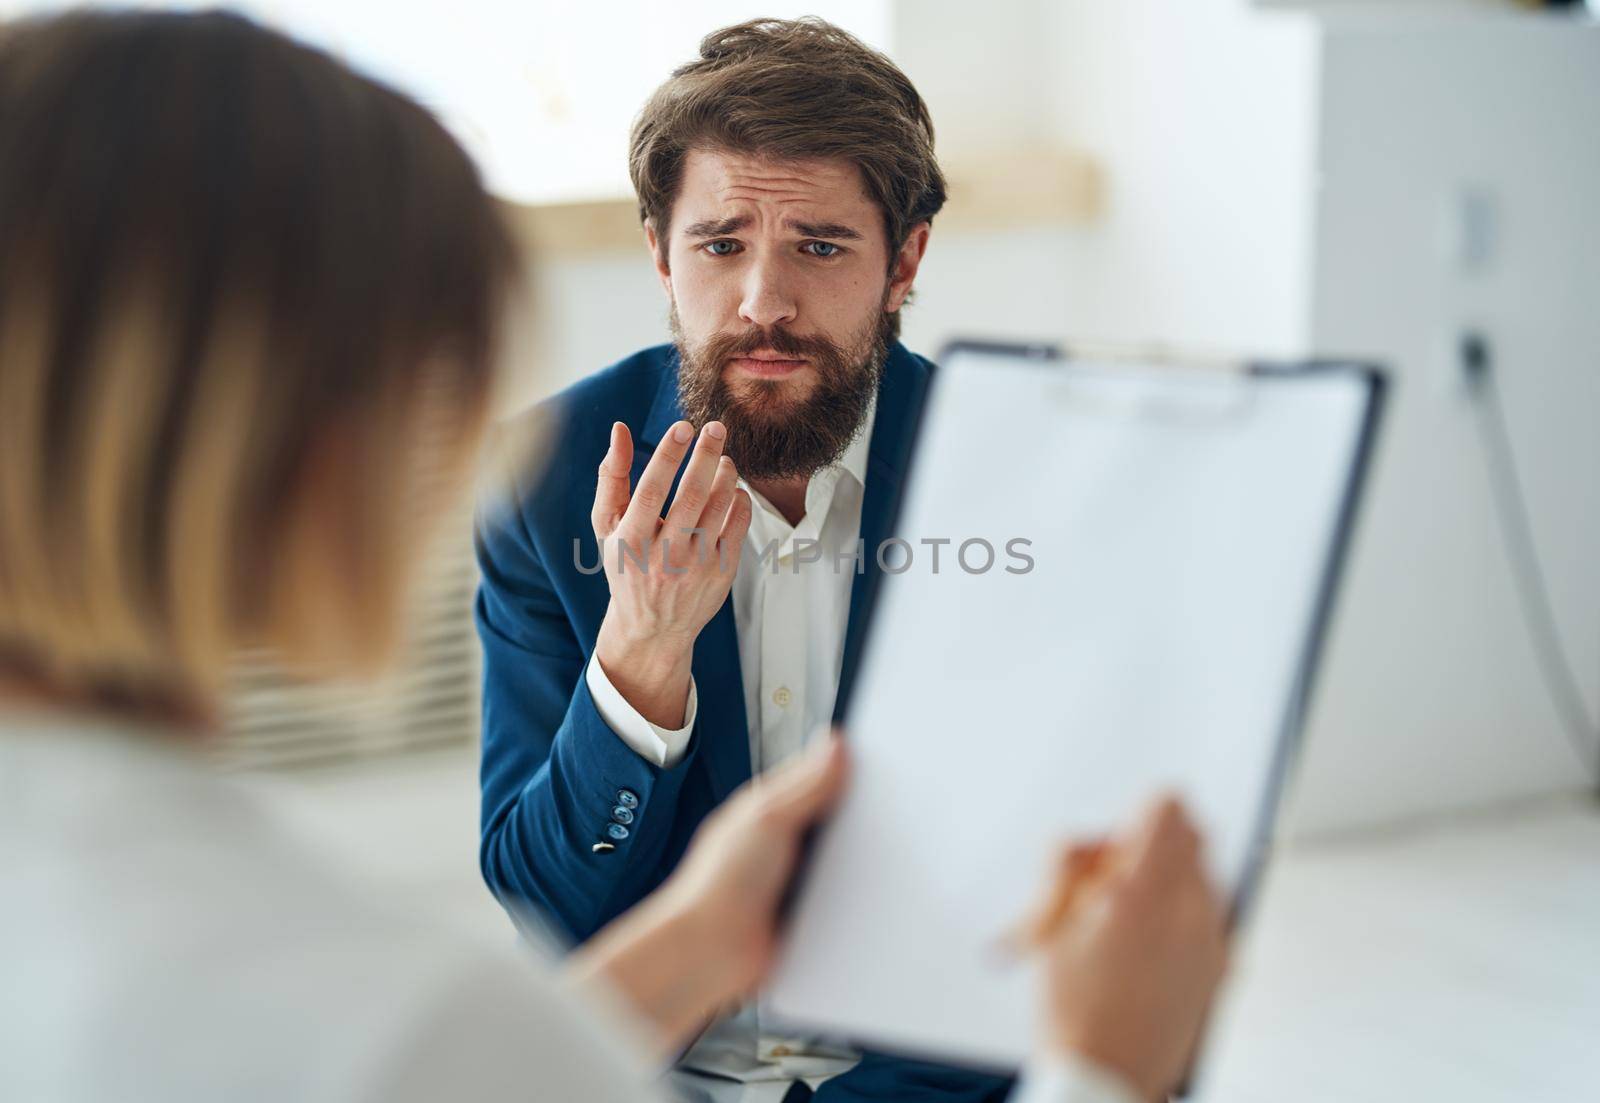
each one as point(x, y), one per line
point(1180, 527)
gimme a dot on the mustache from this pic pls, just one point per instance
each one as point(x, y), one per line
point(727, 346)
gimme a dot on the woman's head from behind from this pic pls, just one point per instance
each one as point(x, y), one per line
point(248, 309)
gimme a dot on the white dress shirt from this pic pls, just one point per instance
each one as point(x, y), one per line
point(791, 606)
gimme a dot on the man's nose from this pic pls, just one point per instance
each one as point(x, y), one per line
point(767, 300)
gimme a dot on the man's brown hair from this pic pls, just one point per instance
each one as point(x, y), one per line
point(790, 90)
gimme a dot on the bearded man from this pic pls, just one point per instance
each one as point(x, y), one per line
point(639, 667)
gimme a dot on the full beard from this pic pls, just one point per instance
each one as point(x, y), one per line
point(771, 435)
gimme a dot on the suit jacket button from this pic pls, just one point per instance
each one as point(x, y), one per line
point(616, 831)
point(601, 848)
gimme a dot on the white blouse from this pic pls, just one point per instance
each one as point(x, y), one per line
point(162, 939)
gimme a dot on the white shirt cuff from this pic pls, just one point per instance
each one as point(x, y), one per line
point(662, 746)
point(1071, 1079)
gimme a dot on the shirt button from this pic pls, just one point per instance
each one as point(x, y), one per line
point(601, 848)
point(621, 814)
point(616, 831)
point(781, 697)
point(627, 798)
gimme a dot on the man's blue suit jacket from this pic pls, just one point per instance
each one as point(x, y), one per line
point(552, 770)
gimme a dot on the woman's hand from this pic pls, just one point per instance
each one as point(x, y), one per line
point(1133, 939)
point(743, 857)
point(708, 936)
point(1134, 951)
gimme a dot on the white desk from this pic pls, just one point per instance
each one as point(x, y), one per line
point(1454, 962)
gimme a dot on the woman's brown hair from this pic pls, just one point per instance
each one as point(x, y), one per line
point(223, 255)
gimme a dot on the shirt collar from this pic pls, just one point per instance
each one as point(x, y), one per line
point(854, 459)
point(822, 484)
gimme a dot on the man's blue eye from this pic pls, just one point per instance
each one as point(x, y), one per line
point(822, 248)
point(721, 248)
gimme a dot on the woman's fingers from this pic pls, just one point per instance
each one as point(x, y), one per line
point(1163, 843)
point(798, 793)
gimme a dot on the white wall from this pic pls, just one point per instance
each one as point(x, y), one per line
point(1277, 184)
point(987, 75)
point(989, 78)
point(1431, 697)
point(588, 311)
point(1201, 114)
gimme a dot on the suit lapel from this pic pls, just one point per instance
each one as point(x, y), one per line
point(720, 679)
point(664, 410)
point(900, 398)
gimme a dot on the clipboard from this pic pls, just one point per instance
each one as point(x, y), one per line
point(1183, 528)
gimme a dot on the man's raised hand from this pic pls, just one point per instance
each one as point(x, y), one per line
point(668, 575)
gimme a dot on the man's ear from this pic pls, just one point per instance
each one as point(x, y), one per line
point(906, 262)
point(658, 255)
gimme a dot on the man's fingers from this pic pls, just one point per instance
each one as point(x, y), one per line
point(694, 489)
point(613, 490)
point(737, 524)
point(720, 500)
point(651, 494)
